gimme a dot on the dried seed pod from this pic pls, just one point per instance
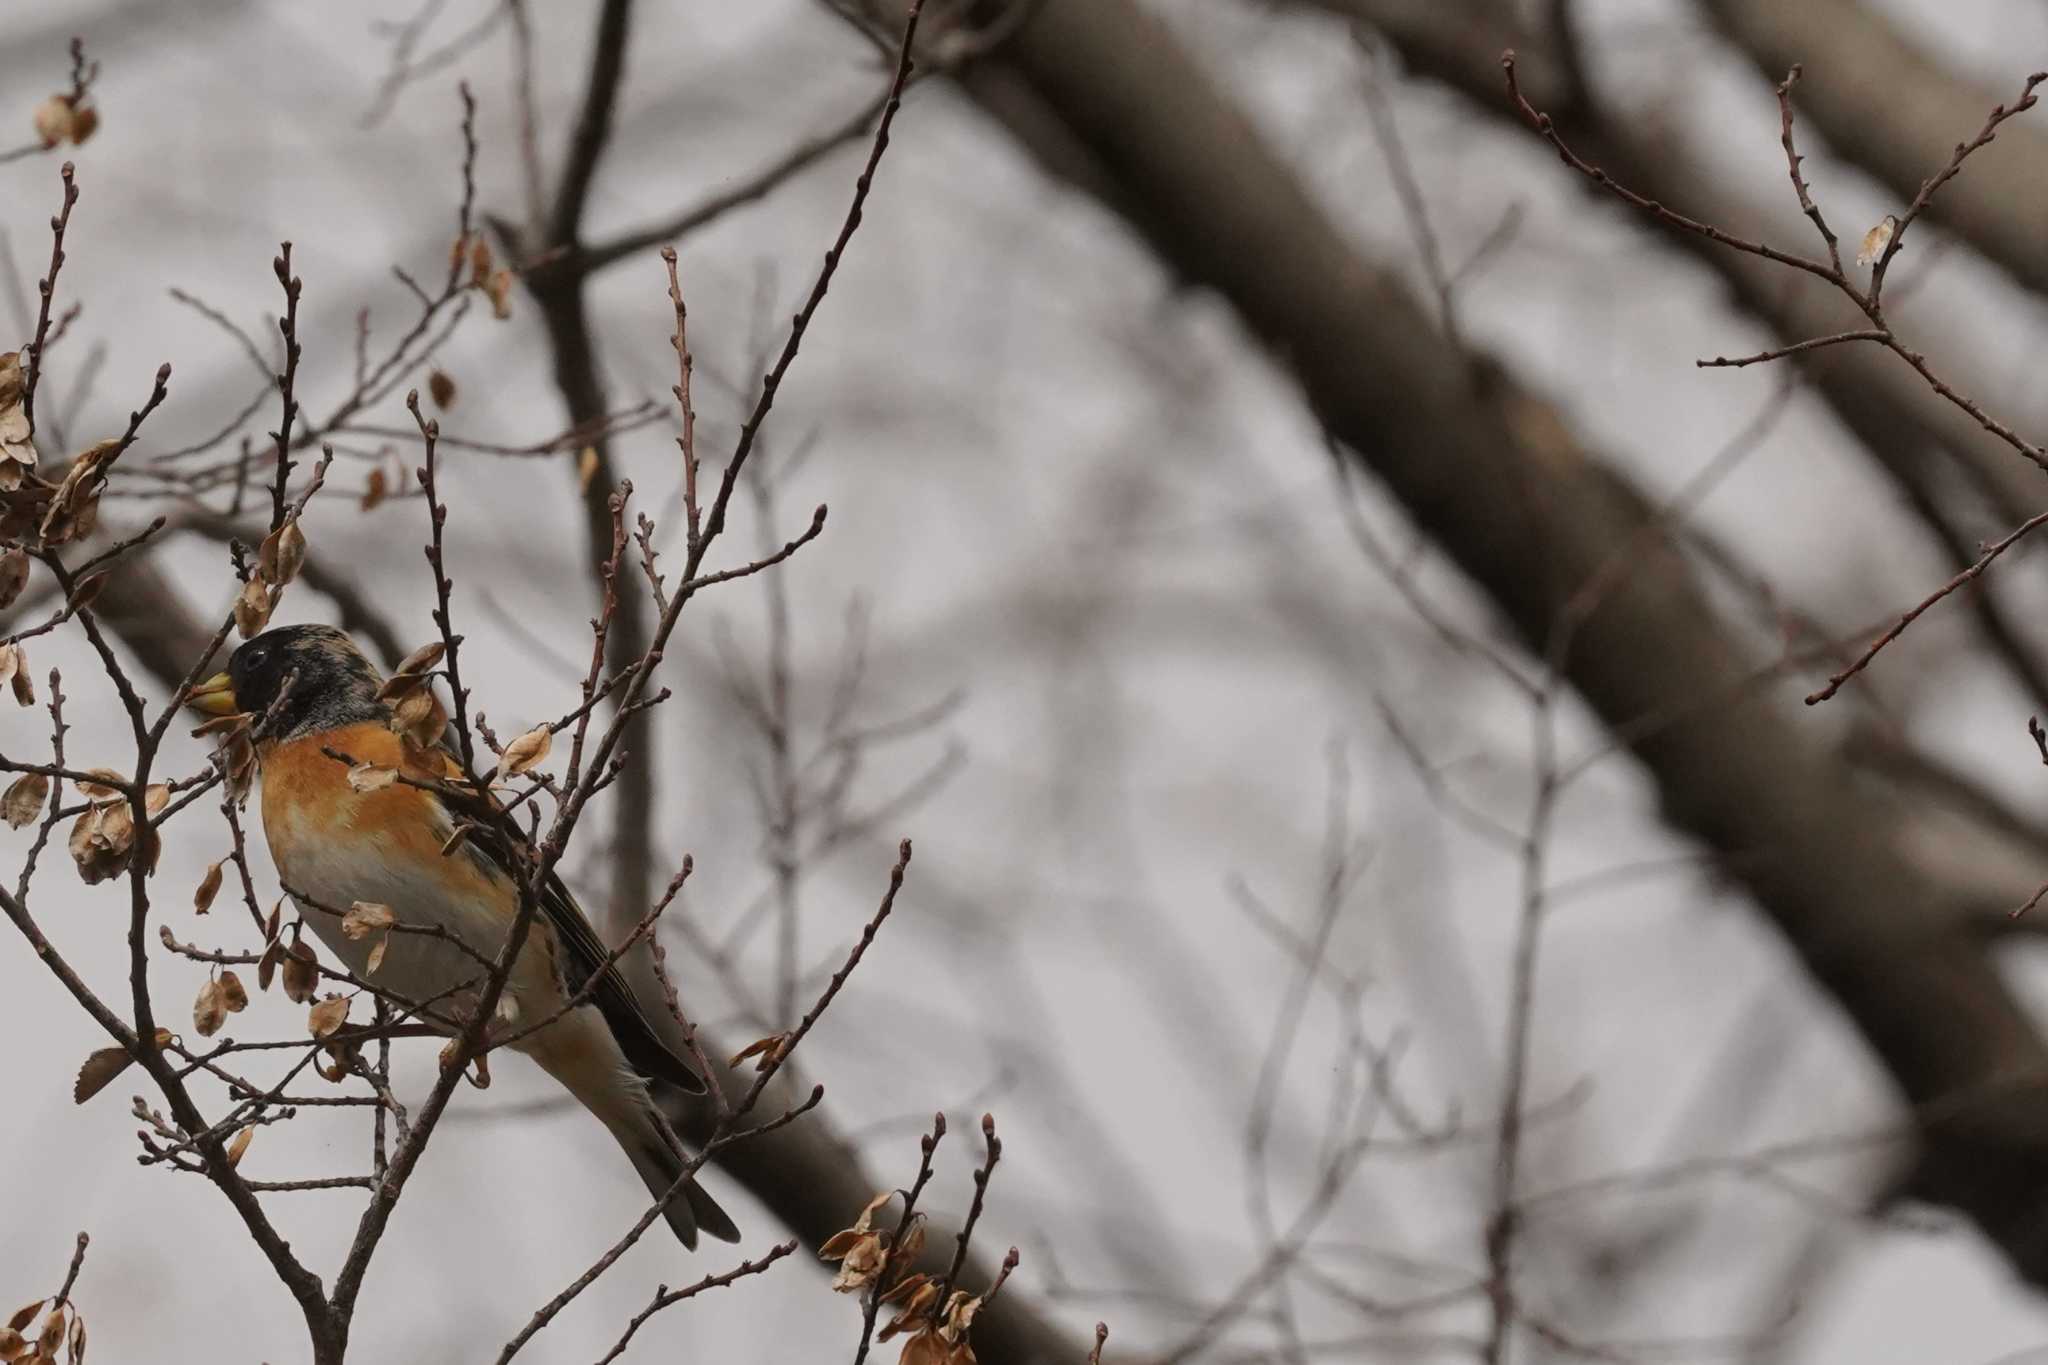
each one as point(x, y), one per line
point(210, 1010)
point(253, 606)
point(209, 887)
point(24, 799)
point(368, 777)
point(301, 974)
point(528, 751)
point(327, 1016)
point(365, 918)
point(13, 575)
point(282, 553)
point(423, 658)
point(266, 966)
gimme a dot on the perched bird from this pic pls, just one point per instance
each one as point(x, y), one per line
point(335, 845)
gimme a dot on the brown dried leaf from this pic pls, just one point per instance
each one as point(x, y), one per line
point(116, 826)
point(529, 750)
point(768, 1049)
point(368, 777)
point(84, 123)
point(17, 674)
point(101, 784)
point(239, 1146)
point(401, 685)
point(155, 797)
point(55, 120)
point(480, 259)
point(586, 469)
point(74, 508)
point(266, 966)
point(336, 1073)
point(860, 1265)
point(24, 799)
point(13, 1345)
point(858, 1249)
point(210, 1010)
point(232, 993)
point(423, 658)
point(420, 717)
point(931, 1348)
point(237, 758)
point(874, 1206)
point(51, 1338)
point(912, 1245)
point(99, 1068)
point(252, 607)
point(84, 832)
point(441, 387)
point(327, 1016)
point(959, 1315)
point(100, 841)
point(376, 488)
point(365, 918)
point(25, 1315)
point(282, 552)
point(909, 1285)
point(376, 958)
point(499, 290)
point(17, 449)
point(13, 575)
point(209, 887)
point(918, 1298)
point(12, 380)
point(1876, 240)
point(301, 974)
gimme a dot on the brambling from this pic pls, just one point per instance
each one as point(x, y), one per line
point(335, 845)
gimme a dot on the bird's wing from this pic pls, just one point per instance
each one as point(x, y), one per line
point(583, 956)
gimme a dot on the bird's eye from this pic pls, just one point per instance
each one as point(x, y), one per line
point(256, 658)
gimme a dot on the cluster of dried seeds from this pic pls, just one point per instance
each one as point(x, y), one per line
point(936, 1334)
point(104, 836)
point(61, 1334)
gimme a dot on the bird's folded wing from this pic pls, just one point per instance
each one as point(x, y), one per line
point(584, 956)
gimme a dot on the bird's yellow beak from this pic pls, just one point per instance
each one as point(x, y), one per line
point(215, 696)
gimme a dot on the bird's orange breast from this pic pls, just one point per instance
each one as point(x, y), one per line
point(311, 811)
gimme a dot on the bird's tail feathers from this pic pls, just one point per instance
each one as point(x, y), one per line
point(659, 1165)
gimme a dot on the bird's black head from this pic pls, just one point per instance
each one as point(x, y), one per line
point(324, 679)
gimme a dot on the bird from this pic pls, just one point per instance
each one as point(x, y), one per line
point(337, 842)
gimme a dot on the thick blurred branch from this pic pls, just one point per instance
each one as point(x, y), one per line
point(1953, 476)
point(1494, 475)
point(557, 286)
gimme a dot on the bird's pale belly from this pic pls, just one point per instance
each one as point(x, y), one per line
point(365, 855)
